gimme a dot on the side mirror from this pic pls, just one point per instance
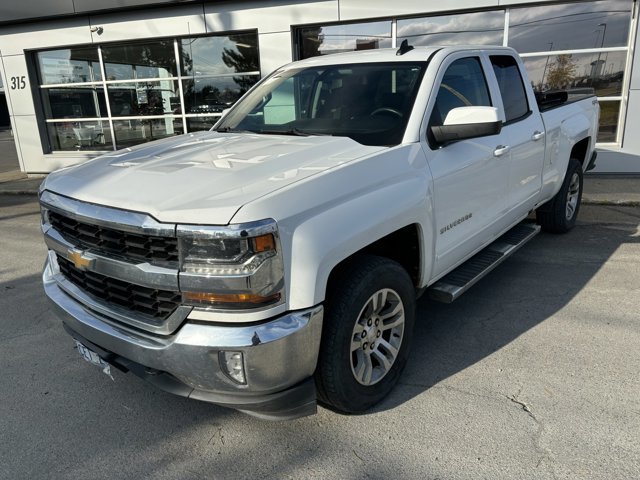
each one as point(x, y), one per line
point(467, 122)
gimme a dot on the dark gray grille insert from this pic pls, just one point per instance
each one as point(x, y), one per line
point(158, 304)
point(131, 246)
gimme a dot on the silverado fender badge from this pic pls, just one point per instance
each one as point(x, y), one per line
point(455, 223)
point(79, 260)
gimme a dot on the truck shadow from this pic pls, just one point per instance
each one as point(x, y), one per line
point(529, 288)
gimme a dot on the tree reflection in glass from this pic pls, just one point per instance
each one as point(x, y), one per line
point(578, 72)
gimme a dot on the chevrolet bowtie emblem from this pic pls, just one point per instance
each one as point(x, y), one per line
point(79, 260)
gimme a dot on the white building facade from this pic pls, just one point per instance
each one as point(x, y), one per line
point(91, 76)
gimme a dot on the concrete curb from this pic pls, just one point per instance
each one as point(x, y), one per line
point(609, 202)
point(18, 192)
point(23, 186)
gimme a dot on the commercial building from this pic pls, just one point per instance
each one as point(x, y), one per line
point(83, 77)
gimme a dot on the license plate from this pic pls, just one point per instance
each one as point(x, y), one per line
point(93, 358)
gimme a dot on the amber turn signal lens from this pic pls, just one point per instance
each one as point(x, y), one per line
point(264, 243)
point(229, 298)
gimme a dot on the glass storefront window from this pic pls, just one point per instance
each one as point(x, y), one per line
point(136, 131)
point(144, 98)
point(477, 28)
point(75, 136)
point(69, 65)
point(602, 72)
point(140, 60)
point(142, 81)
point(570, 26)
point(195, 124)
point(78, 102)
point(609, 113)
point(210, 56)
point(324, 40)
point(212, 95)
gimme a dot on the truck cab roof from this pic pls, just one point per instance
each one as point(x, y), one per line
point(417, 54)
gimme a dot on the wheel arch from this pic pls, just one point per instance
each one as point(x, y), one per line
point(403, 246)
point(580, 150)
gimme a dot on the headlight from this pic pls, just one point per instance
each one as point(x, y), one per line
point(234, 267)
point(44, 215)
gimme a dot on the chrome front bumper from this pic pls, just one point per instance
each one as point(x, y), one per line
point(280, 355)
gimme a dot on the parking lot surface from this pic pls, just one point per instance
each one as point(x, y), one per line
point(534, 373)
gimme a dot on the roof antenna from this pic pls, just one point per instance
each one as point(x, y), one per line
point(404, 48)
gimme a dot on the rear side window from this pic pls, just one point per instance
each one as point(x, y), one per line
point(463, 85)
point(514, 96)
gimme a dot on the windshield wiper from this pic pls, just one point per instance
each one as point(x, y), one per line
point(233, 130)
point(293, 131)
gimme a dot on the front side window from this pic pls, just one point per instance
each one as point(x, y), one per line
point(463, 85)
point(514, 96)
point(369, 103)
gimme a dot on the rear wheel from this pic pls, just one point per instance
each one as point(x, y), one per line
point(368, 321)
point(560, 213)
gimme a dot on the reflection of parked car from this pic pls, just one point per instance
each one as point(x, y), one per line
point(210, 108)
point(201, 123)
point(88, 136)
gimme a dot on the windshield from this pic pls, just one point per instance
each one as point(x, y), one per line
point(369, 103)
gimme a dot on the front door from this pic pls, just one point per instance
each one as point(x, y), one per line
point(470, 176)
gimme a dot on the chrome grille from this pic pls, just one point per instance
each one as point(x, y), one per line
point(112, 242)
point(155, 303)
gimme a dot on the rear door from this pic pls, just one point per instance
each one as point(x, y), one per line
point(470, 176)
point(525, 134)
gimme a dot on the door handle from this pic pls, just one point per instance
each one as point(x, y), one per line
point(501, 150)
point(537, 135)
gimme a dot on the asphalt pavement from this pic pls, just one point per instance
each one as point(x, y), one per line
point(531, 374)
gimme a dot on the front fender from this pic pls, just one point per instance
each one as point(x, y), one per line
point(325, 240)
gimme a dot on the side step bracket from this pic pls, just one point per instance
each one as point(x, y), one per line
point(458, 281)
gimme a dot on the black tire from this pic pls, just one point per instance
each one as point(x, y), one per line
point(560, 213)
point(346, 323)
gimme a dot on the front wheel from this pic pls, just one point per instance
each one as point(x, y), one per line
point(560, 213)
point(369, 318)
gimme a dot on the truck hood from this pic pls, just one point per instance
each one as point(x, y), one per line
point(204, 177)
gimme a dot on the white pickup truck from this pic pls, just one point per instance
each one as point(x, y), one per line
point(274, 262)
